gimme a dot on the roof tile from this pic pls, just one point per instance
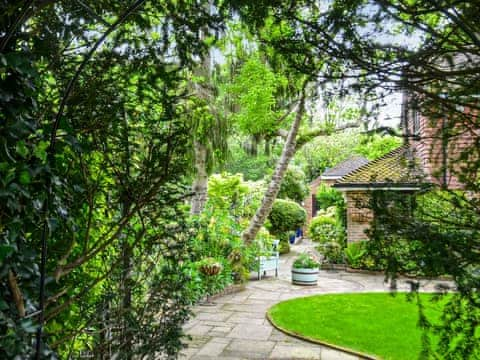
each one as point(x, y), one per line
point(398, 167)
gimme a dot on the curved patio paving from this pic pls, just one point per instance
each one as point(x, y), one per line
point(236, 326)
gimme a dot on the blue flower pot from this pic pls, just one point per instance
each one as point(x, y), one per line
point(292, 239)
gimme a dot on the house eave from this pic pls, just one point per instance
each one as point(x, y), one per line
point(330, 177)
point(378, 186)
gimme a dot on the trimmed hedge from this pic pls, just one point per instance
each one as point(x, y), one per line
point(286, 216)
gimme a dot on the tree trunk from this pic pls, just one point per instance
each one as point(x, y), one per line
point(200, 184)
point(271, 193)
point(203, 91)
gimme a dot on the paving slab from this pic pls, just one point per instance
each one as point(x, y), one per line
point(250, 332)
point(297, 351)
point(249, 349)
point(212, 349)
point(218, 316)
point(332, 354)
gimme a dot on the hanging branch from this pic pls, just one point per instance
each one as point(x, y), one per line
point(51, 152)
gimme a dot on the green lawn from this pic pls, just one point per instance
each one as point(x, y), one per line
point(378, 324)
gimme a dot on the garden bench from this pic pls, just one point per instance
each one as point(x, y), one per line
point(269, 262)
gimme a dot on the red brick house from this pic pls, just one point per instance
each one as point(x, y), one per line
point(430, 154)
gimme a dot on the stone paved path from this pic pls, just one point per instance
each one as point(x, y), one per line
point(236, 327)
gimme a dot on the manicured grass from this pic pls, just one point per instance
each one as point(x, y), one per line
point(377, 324)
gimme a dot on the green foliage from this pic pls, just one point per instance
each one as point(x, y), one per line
point(325, 152)
point(293, 185)
point(286, 215)
point(102, 182)
point(323, 228)
point(253, 168)
point(226, 191)
point(430, 234)
point(231, 193)
point(332, 251)
point(306, 261)
point(219, 238)
point(373, 147)
point(354, 252)
point(328, 196)
point(283, 247)
point(254, 90)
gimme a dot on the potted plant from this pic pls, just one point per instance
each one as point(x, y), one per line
point(291, 237)
point(305, 269)
point(209, 266)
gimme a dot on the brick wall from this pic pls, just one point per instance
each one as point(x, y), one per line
point(430, 149)
point(359, 215)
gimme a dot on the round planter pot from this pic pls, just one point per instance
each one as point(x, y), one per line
point(304, 276)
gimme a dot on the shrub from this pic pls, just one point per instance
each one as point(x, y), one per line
point(327, 197)
point(294, 185)
point(323, 229)
point(231, 193)
point(283, 247)
point(354, 254)
point(332, 251)
point(286, 215)
point(306, 261)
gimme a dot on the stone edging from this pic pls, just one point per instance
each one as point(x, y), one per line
point(405, 276)
point(318, 342)
point(348, 269)
point(232, 289)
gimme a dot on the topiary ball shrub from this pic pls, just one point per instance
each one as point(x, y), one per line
point(294, 185)
point(286, 216)
point(323, 229)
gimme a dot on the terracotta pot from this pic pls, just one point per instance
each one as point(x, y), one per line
point(210, 269)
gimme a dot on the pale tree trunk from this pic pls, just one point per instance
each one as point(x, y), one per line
point(200, 184)
point(271, 193)
point(203, 91)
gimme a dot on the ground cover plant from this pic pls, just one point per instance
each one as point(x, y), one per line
point(375, 323)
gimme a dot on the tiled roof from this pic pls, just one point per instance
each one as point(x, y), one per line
point(398, 167)
point(345, 167)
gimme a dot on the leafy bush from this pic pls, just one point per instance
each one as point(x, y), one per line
point(285, 216)
point(219, 237)
point(231, 193)
point(332, 251)
point(323, 229)
point(294, 185)
point(306, 261)
point(328, 196)
point(354, 254)
point(283, 247)
point(252, 168)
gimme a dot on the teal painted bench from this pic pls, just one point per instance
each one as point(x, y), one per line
point(269, 262)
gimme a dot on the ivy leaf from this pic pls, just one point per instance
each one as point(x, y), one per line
point(5, 250)
point(22, 149)
point(25, 178)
